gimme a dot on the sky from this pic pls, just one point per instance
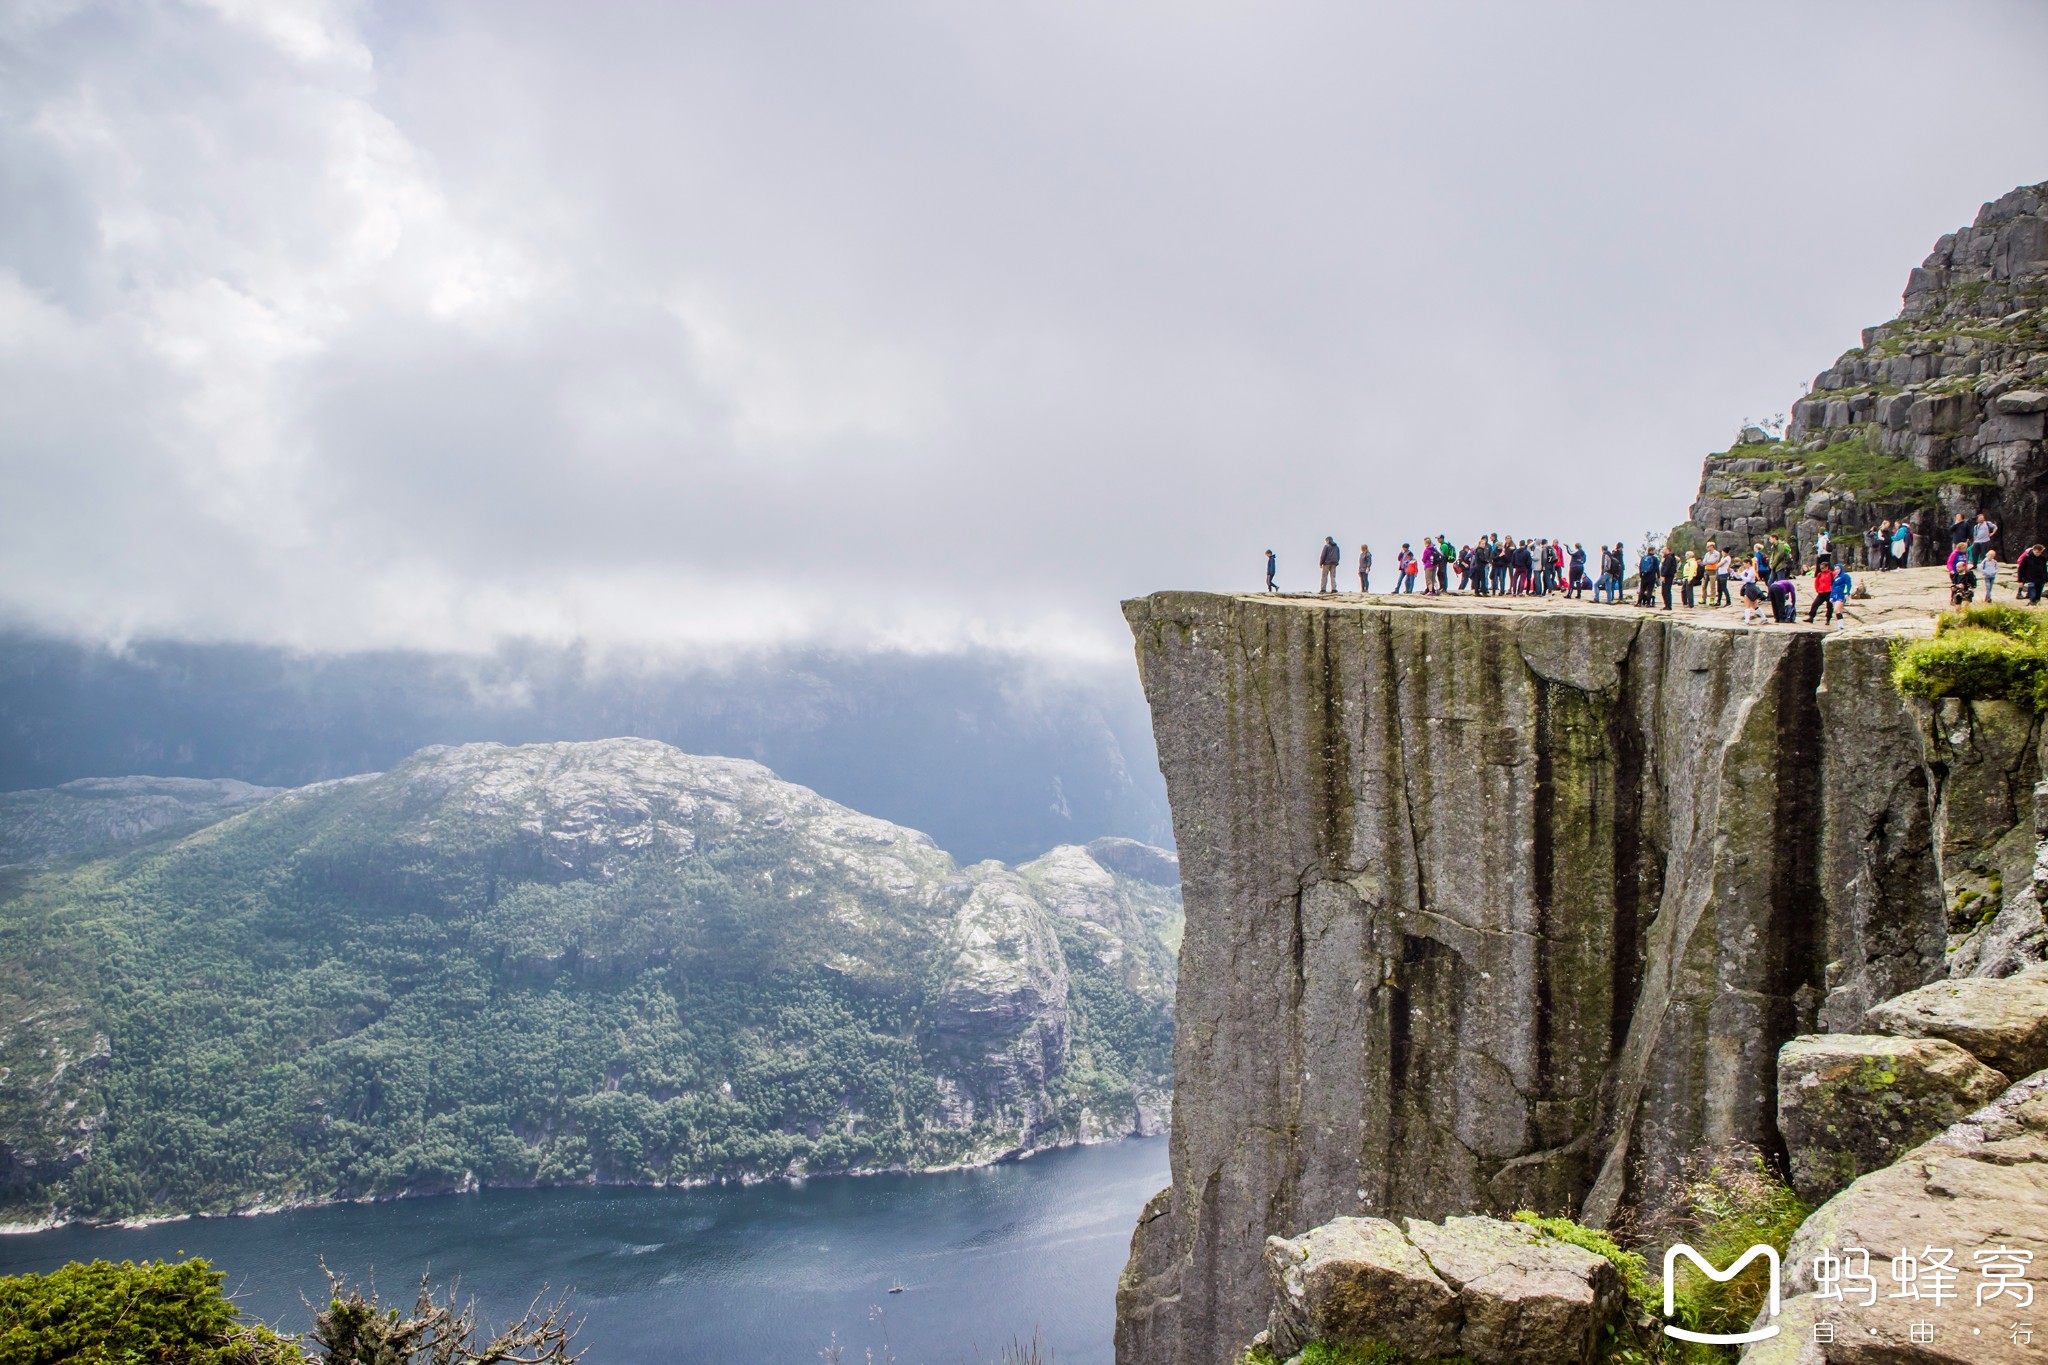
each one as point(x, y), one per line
point(927, 325)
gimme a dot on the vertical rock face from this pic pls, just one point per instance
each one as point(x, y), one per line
point(1491, 909)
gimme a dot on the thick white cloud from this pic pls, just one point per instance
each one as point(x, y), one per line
point(921, 323)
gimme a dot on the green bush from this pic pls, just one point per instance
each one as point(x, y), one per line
point(1347, 1353)
point(1985, 652)
point(2016, 622)
point(1731, 1201)
point(106, 1314)
point(1972, 663)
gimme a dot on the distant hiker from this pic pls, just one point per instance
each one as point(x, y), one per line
point(2032, 572)
point(1877, 546)
point(1843, 586)
point(1823, 591)
point(1784, 600)
point(1445, 553)
point(1482, 568)
point(1647, 571)
point(1958, 533)
point(1330, 558)
point(1988, 567)
point(1404, 570)
point(1578, 572)
point(1429, 553)
point(1688, 577)
point(1823, 548)
point(1667, 571)
point(1364, 569)
point(1902, 545)
point(1752, 594)
point(1613, 569)
point(1962, 575)
point(1980, 537)
point(1271, 565)
point(1714, 568)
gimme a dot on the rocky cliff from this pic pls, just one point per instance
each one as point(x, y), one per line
point(1939, 411)
point(1490, 909)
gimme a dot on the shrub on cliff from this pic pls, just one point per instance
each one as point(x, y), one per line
point(106, 1314)
point(1733, 1201)
point(1981, 653)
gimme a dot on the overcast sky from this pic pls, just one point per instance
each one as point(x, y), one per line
point(427, 323)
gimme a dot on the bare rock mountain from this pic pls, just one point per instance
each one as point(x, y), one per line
point(1939, 411)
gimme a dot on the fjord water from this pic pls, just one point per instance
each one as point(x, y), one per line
point(763, 1273)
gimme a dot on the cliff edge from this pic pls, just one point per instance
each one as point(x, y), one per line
point(1491, 908)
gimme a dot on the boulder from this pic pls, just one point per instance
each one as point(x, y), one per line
point(2002, 1021)
point(1849, 1103)
point(1525, 1296)
point(1981, 1185)
point(2020, 401)
point(1358, 1279)
point(1488, 1291)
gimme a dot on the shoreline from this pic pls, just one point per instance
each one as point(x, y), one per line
point(1141, 1130)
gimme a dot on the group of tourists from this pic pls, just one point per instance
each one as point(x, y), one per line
point(1508, 566)
point(1765, 579)
point(1973, 560)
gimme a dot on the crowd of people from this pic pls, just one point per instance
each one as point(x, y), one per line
point(1765, 580)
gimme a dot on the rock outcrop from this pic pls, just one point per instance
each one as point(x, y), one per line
point(97, 813)
point(1493, 1292)
point(1849, 1103)
point(1491, 909)
point(1939, 411)
point(2003, 1021)
point(1967, 1200)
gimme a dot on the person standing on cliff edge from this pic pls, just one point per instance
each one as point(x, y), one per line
point(1272, 566)
point(1365, 568)
point(1330, 559)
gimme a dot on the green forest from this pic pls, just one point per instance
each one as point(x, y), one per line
point(369, 988)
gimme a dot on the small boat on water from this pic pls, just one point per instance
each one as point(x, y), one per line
point(897, 1289)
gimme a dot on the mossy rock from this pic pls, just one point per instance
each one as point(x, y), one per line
point(1851, 1103)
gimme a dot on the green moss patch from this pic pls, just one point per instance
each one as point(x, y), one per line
point(1981, 653)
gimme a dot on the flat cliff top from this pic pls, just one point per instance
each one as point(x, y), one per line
point(1903, 602)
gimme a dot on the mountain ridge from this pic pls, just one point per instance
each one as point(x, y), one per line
point(600, 962)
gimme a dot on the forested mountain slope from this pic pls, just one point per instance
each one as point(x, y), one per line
point(605, 961)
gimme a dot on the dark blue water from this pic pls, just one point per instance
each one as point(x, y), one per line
point(767, 1274)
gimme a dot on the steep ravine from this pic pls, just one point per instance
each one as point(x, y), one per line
point(1491, 909)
